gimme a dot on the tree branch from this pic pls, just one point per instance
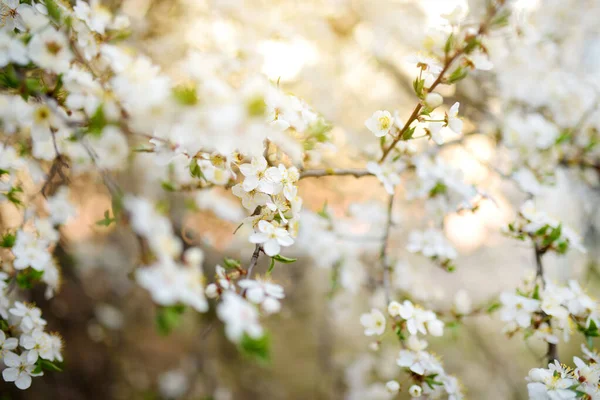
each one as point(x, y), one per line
point(317, 173)
point(383, 254)
point(253, 260)
point(552, 353)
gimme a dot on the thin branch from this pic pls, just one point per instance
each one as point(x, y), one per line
point(383, 254)
point(552, 353)
point(447, 64)
point(317, 173)
point(253, 260)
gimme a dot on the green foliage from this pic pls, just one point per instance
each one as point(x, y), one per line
point(195, 170)
point(431, 382)
point(257, 349)
point(458, 74)
point(281, 259)
point(231, 263)
point(553, 236)
point(45, 365)
point(418, 87)
point(591, 330)
point(13, 196)
point(53, 11)
point(449, 45)
point(439, 188)
point(168, 186)
point(493, 307)
point(107, 219)
point(27, 278)
point(8, 240)
point(9, 78)
point(408, 134)
point(168, 318)
point(97, 121)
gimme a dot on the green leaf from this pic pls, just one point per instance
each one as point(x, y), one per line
point(195, 170)
point(565, 136)
point(554, 234)
point(323, 211)
point(9, 78)
point(13, 196)
point(117, 204)
point(449, 43)
point(536, 293)
point(34, 86)
point(231, 263)
point(284, 260)
point(50, 366)
point(256, 348)
point(53, 10)
point(27, 278)
point(493, 307)
point(458, 74)
point(408, 134)
point(97, 121)
point(168, 186)
point(439, 188)
point(271, 266)
point(168, 318)
point(592, 329)
point(107, 219)
point(8, 240)
point(418, 86)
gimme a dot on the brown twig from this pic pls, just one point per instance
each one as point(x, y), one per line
point(317, 173)
point(383, 253)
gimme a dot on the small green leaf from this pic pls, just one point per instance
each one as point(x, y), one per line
point(449, 43)
point(284, 260)
point(107, 219)
point(168, 186)
point(231, 263)
point(9, 77)
point(168, 318)
point(458, 74)
point(493, 307)
point(53, 10)
point(8, 240)
point(256, 348)
point(50, 366)
point(97, 121)
point(271, 266)
point(27, 278)
point(195, 170)
point(536, 292)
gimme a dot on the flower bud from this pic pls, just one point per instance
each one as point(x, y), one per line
point(433, 100)
point(211, 291)
point(194, 256)
point(415, 391)
point(392, 386)
point(462, 302)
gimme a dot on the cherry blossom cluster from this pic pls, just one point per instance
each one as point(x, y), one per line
point(558, 381)
point(547, 233)
point(26, 349)
point(424, 369)
point(552, 120)
point(549, 313)
point(273, 191)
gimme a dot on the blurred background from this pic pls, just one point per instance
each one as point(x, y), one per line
point(346, 58)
